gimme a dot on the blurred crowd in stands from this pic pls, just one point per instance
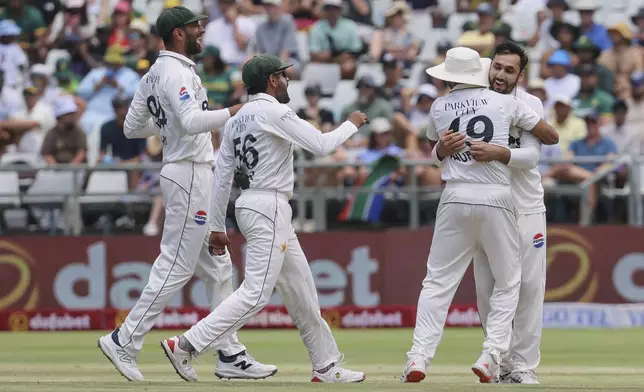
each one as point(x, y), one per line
point(70, 67)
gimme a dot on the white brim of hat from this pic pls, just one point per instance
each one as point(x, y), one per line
point(480, 78)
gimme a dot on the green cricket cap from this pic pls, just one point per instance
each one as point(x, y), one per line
point(174, 17)
point(257, 70)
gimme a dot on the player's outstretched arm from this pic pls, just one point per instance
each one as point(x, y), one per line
point(526, 118)
point(546, 133)
point(192, 115)
point(224, 171)
point(284, 123)
point(139, 123)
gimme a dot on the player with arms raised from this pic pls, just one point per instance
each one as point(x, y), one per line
point(257, 150)
point(519, 363)
point(171, 103)
point(475, 210)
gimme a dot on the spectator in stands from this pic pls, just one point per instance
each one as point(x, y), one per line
point(104, 84)
point(624, 58)
point(588, 53)
point(569, 126)
point(137, 38)
point(224, 85)
point(334, 39)
point(562, 82)
point(369, 103)
point(39, 111)
point(395, 42)
point(66, 142)
point(593, 145)
point(595, 32)
point(115, 147)
point(73, 24)
point(359, 11)
point(14, 60)
point(381, 143)
point(231, 33)
point(277, 37)
point(427, 175)
point(537, 88)
point(423, 101)
point(305, 12)
point(11, 101)
point(566, 35)
point(28, 18)
point(635, 115)
point(121, 18)
point(394, 89)
point(67, 80)
point(142, 67)
point(479, 36)
point(628, 138)
point(321, 118)
point(592, 97)
point(545, 22)
point(502, 33)
point(638, 21)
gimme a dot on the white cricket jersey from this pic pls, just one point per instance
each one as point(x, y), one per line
point(527, 192)
point(13, 62)
point(482, 114)
point(257, 145)
point(171, 102)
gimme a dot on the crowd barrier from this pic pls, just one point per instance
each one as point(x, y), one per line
point(362, 271)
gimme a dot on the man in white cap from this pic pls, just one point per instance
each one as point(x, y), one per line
point(475, 210)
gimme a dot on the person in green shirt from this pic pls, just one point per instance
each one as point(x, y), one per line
point(368, 103)
point(588, 53)
point(221, 84)
point(67, 80)
point(28, 18)
point(592, 97)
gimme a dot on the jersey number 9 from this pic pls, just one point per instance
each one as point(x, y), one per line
point(247, 154)
point(488, 127)
point(157, 112)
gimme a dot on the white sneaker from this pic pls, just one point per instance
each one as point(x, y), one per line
point(180, 359)
point(526, 377)
point(122, 361)
point(338, 375)
point(415, 370)
point(244, 367)
point(487, 368)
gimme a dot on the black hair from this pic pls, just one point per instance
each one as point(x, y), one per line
point(510, 47)
point(120, 102)
point(620, 105)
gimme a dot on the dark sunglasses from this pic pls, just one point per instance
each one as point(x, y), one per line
point(281, 73)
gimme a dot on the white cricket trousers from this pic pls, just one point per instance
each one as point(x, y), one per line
point(274, 259)
point(187, 190)
point(524, 354)
point(462, 227)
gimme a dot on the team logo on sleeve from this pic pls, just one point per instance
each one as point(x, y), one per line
point(183, 94)
point(201, 218)
point(538, 241)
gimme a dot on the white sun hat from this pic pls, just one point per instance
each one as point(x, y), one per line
point(463, 65)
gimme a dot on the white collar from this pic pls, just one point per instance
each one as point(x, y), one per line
point(177, 56)
point(463, 86)
point(262, 97)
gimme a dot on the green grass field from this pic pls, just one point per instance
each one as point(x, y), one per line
point(572, 360)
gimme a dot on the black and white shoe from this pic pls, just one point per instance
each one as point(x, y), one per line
point(122, 361)
point(243, 367)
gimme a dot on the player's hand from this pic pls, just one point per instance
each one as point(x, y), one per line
point(218, 243)
point(450, 143)
point(486, 152)
point(358, 118)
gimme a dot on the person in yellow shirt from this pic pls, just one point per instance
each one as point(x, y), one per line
point(569, 126)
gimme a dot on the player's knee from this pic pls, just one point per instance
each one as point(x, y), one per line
point(258, 295)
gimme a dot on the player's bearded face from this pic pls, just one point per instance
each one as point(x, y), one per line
point(281, 90)
point(504, 74)
point(194, 34)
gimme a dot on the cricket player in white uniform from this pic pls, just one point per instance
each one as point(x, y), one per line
point(257, 150)
point(172, 103)
point(519, 363)
point(475, 211)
